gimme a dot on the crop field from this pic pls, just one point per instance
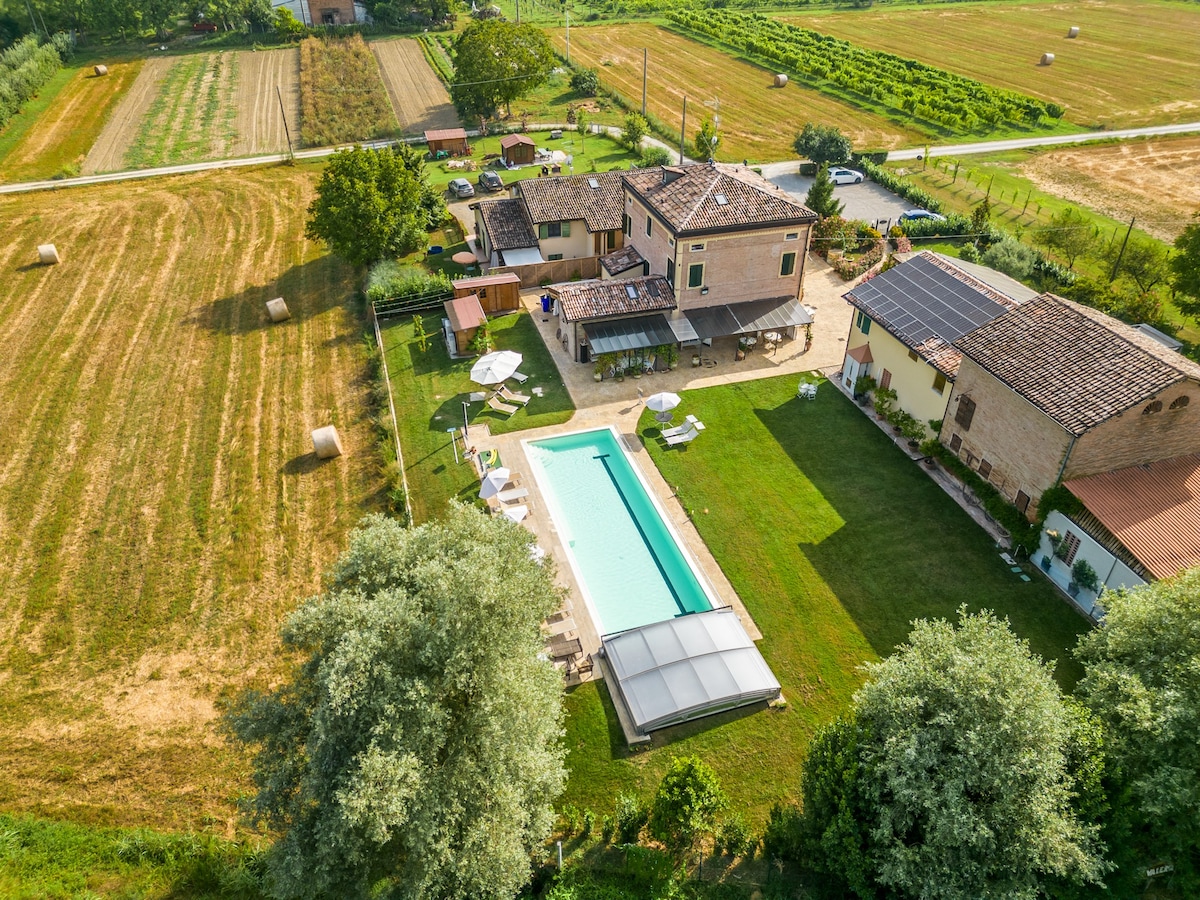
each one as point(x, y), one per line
point(342, 97)
point(58, 139)
point(161, 508)
point(418, 96)
point(258, 122)
point(758, 122)
point(1157, 181)
point(1135, 62)
point(117, 136)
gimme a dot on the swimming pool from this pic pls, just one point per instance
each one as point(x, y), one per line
point(629, 563)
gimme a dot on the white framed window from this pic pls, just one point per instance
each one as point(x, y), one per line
point(792, 236)
point(695, 275)
point(696, 248)
point(787, 264)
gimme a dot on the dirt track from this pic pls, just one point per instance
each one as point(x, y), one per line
point(1156, 181)
point(120, 131)
point(161, 509)
point(418, 97)
point(258, 123)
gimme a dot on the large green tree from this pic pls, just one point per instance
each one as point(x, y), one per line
point(820, 197)
point(687, 803)
point(496, 62)
point(1185, 269)
point(1142, 680)
point(706, 140)
point(414, 751)
point(824, 145)
point(368, 206)
point(952, 778)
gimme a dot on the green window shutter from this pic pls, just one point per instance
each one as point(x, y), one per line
point(695, 275)
point(566, 229)
point(543, 231)
point(787, 264)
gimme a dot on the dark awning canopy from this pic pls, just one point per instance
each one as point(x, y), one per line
point(622, 335)
point(748, 318)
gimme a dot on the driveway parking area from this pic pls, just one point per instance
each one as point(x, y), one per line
point(868, 200)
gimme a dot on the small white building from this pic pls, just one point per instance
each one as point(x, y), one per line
point(1136, 525)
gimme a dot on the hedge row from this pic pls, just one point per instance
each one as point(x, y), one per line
point(25, 67)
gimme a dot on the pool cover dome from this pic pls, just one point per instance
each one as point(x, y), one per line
point(686, 667)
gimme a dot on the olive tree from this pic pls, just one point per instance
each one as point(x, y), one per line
point(414, 750)
point(954, 776)
point(1142, 680)
point(686, 806)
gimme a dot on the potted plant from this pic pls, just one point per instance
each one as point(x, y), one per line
point(669, 354)
point(863, 385)
point(1045, 562)
point(695, 360)
point(913, 430)
point(1083, 576)
point(1056, 543)
point(885, 399)
point(741, 349)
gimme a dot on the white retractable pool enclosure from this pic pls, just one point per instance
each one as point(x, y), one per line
point(687, 667)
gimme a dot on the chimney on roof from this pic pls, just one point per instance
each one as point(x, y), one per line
point(671, 173)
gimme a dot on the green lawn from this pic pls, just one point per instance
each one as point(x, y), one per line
point(429, 389)
point(835, 542)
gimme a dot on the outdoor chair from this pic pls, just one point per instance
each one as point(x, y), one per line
point(513, 397)
point(807, 391)
point(512, 494)
point(687, 436)
point(519, 378)
point(507, 408)
point(677, 430)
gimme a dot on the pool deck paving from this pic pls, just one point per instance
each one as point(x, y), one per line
point(620, 404)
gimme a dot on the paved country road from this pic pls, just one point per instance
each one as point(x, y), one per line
point(769, 170)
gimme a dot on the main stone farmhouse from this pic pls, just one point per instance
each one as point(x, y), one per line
point(701, 252)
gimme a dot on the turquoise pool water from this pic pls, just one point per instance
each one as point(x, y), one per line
point(628, 561)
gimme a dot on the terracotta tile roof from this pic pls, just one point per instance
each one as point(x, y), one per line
point(1075, 364)
point(927, 302)
point(621, 260)
point(465, 312)
point(565, 198)
point(512, 140)
point(446, 134)
point(861, 354)
point(596, 299)
point(700, 199)
point(507, 224)
point(1152, 509)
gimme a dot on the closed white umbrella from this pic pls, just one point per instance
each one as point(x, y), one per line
point(495, 366)
point(516, 513)
point(662, 403)
point(494, 482)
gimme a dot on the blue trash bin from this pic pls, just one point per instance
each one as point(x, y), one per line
point(545, 303)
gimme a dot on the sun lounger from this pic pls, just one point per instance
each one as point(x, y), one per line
point(512, 494)
point(690, 434)
point(520, 379)
point(505, 394)
point(677, 430)
point(507, 408)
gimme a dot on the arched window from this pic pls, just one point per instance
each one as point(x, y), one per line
point(1152, 407)
point(1180, 402)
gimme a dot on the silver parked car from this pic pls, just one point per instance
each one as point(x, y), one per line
point(460, 187)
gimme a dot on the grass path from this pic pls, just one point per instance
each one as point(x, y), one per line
point(160, 507)
point(835, 542)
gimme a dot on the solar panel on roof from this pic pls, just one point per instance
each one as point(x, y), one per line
point(593, 183)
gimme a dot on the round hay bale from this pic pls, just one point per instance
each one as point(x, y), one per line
point(100, 70)
point(781, 80)
point(1047, 59)
point(48, 255)
point(278, 310)
point(326, 442)
point(1073, 31)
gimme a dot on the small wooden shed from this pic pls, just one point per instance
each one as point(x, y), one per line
point(496, 293)
point(465, 315)
point(447, 142)
point(517, 149)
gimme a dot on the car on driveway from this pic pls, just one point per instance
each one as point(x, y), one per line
point(838, 175)
point(912, 215)
point(460, 187)
point(490, 181)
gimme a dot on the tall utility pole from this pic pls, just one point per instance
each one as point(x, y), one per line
point(645, 54)
point(568, 14)
point(1121, 252)
point(287, 133)
point(683, 129)
point(518, 12)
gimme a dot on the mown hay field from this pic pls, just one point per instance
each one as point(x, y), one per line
point(758, 122)
point(1135, 62)
point(161, 509)
point(60, 135)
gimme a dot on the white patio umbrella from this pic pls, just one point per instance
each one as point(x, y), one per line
point(495, 366)
point(494, 482)
point(662, 403)
point(516, 513)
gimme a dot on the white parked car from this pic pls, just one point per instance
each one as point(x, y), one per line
point(838, 175)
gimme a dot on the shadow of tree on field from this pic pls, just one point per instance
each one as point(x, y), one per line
point(310, 290)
